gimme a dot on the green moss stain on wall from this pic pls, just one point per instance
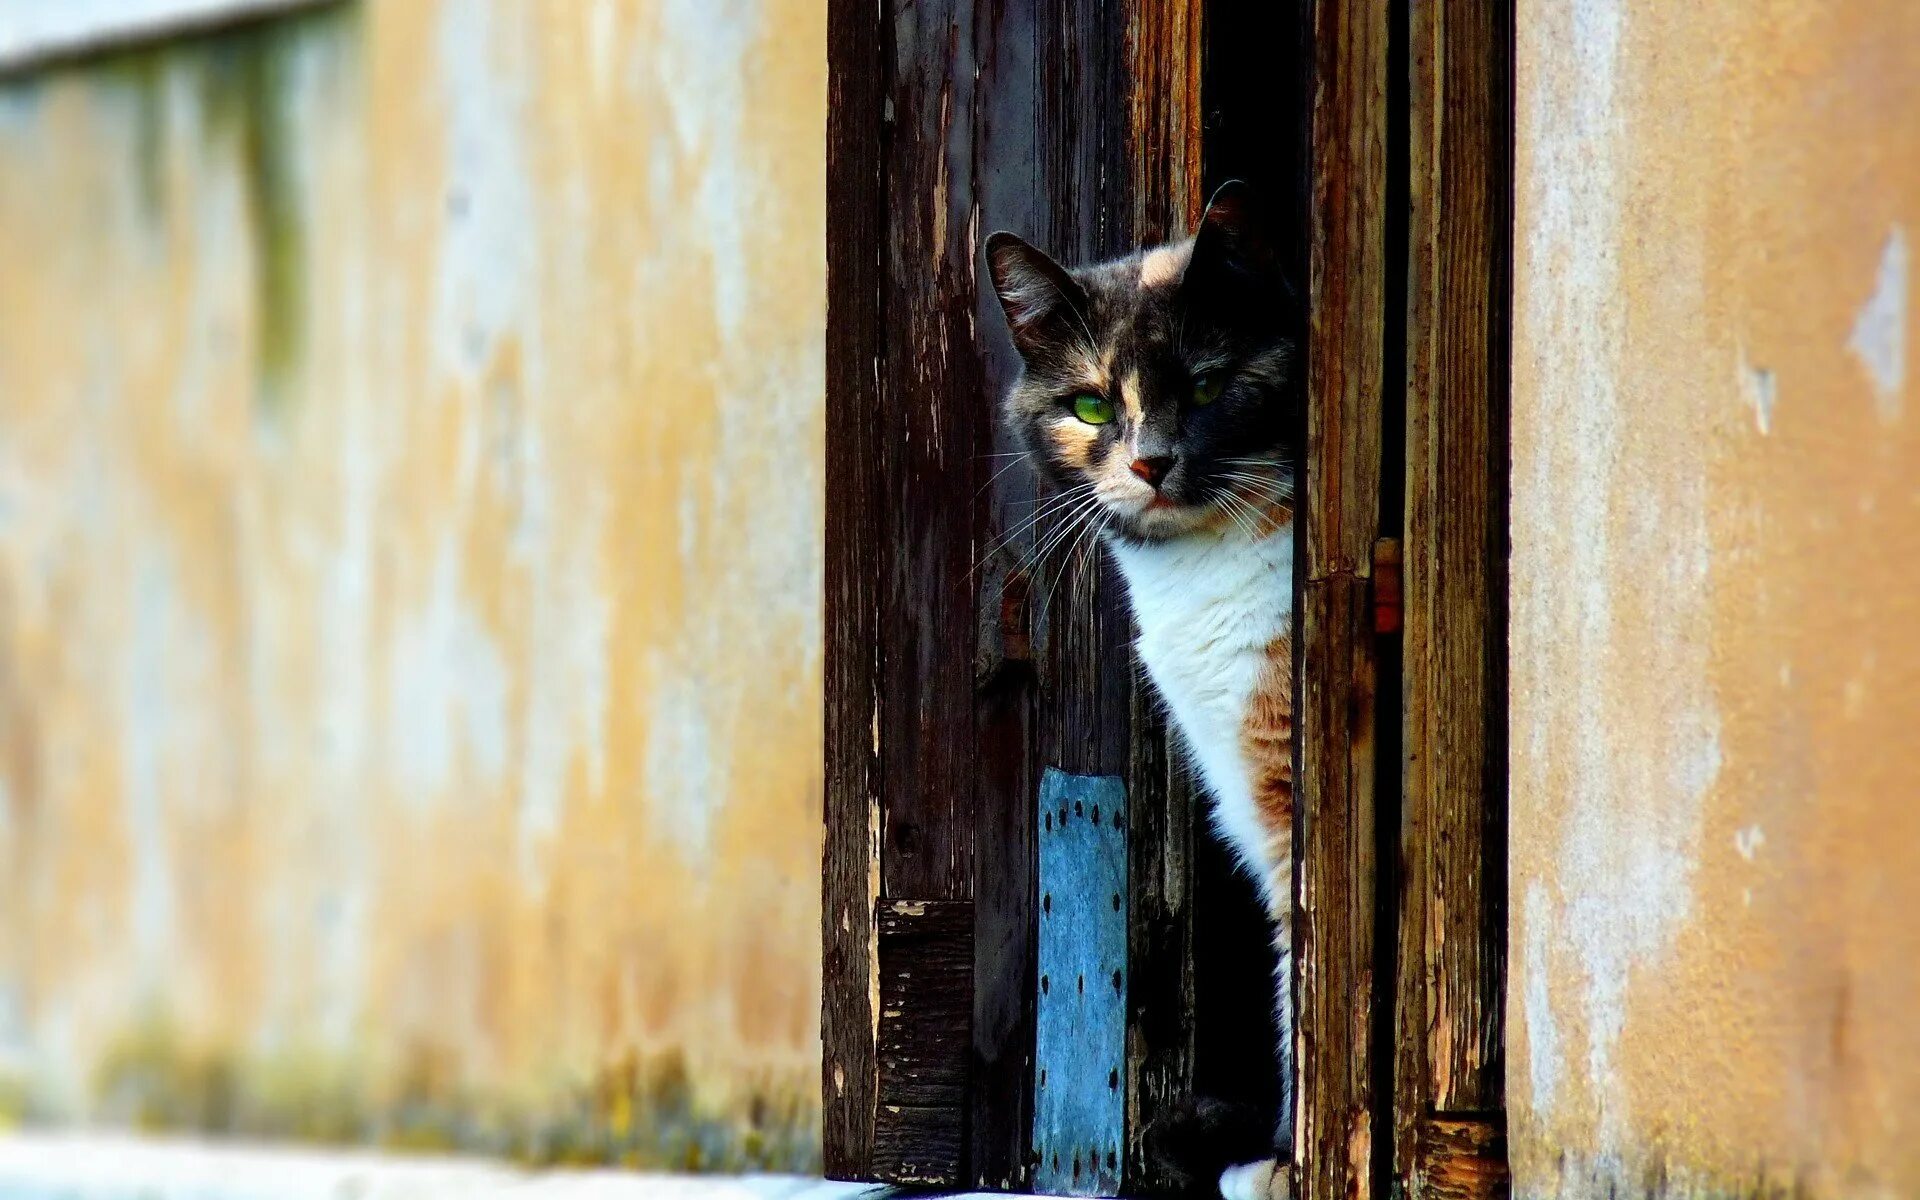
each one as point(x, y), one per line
point(251, 84)
point(644, 1112)
point(252, 91)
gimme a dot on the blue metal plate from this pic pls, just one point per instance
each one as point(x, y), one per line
point(1079, 1067)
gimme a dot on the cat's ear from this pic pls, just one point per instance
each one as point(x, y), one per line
point(1035, 292)
point(1234, 247)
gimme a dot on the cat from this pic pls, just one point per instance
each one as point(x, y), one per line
point(1158, 394)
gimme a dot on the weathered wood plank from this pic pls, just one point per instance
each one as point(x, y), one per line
point(923, 1040)
point(1080, 1107)
point(1340, 519)
point(1348, 307)
point(1461, 1158)
point(1450, 1003)
point(935, 427)
point(1055, 158)
point(1334, 933)
point(855, 553)
point(1164, 40)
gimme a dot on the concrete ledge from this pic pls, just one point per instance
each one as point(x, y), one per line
point(109, 1166)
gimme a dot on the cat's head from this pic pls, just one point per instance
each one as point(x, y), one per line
point(1162, 383)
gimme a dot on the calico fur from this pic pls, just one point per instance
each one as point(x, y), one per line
point(1190, 482)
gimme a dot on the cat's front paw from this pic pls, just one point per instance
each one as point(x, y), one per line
point(1267, 1179)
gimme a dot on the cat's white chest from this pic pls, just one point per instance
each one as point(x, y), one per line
point(1208, 609)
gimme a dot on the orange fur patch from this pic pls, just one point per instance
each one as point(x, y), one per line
point(1074, 440)
point(1266, 742)
point(1130, 397)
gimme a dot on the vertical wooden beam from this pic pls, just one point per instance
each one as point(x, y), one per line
point(1164, 41)
point(856, 554)
point(1452, 943)
point(1337, 651)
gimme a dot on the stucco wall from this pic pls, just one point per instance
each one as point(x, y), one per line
point(1716, 624)
point(409, 579)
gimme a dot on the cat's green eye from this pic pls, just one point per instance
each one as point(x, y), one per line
point(1206, 387)
point(1094, 410)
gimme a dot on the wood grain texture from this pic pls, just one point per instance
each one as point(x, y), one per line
point(1461, 1158)
point(923, 1038)
point(1348, 274)
point(1162, 812)
point(933, 432)
point(855, 552)
point(1333, 927)
point(1452, 941)
point(1164, 55)
point(1338, 656)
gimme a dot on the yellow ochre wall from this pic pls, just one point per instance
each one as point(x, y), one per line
point(1716, 600)
point(410, 505)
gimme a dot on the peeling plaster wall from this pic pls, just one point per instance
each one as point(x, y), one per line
point(410, 469)
point(1715, 620)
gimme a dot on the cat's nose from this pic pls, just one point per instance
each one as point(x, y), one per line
point(1154, 469)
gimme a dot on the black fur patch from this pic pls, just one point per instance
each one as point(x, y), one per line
point(1193, 1143)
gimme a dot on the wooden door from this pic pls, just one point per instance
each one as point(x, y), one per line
point(978, 704)
point(956, 672)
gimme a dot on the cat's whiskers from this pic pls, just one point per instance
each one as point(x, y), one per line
point(1048, 505)
point(1271, 482)
point(1279, 491)
point(1090, 562)
point(1065, 518)
point(1067, 526)
point(1087, 527)
point(1235, 508)
point(1282, 471)
point(1262, 524)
